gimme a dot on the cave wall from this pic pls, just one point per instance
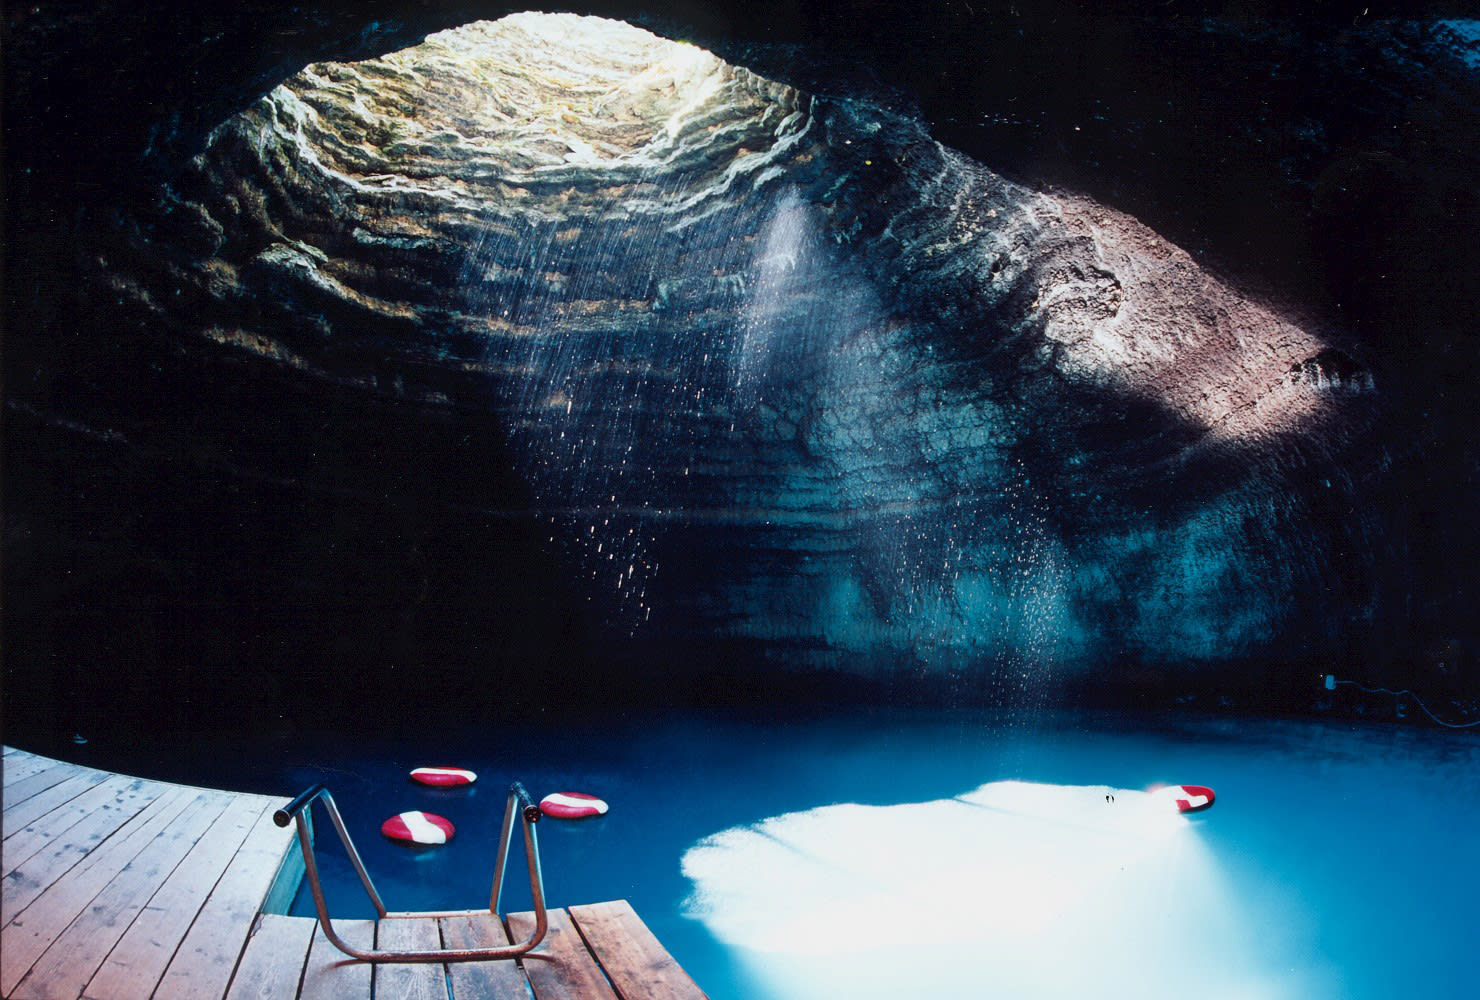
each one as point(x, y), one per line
point(266, 430)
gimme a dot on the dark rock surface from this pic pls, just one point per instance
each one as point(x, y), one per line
point(610, 367)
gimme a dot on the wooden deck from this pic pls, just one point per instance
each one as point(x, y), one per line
point(117, 887)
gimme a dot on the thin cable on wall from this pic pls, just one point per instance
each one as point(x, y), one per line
point(1331, 683)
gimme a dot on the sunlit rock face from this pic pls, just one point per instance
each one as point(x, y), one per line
point(758, 372)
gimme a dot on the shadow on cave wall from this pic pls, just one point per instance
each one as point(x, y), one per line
point(325, 563)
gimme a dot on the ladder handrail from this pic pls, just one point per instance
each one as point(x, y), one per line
point(298, 811)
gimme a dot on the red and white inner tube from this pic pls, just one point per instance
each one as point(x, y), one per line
point(417, 828)
point(443, 777)
point(572, 805)
point(1189, 798)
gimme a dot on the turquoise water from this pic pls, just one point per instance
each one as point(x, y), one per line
point(1339, 861)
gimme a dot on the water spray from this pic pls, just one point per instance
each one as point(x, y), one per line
point(1332, 681)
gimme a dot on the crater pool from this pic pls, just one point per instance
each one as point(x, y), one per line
point(858, 854)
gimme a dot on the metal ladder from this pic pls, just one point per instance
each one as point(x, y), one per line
point(519, 803)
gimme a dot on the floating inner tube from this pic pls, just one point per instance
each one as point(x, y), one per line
point(417, 828)
point(572, 805)
point(443, 777)
point(1189, 798)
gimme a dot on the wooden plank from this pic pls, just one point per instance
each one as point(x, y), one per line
point(75, 954)
point(30, 931)
point(95, 817)
point(23, 840)
point(207, 957)
point(21, 765)
point(634, 960)
point(23, 814)
point(24, 762)
point(100, 810)
point(560, 968)
point(17, 792)
point(500, 980)
point(406, 980)
point(272, 964)
point(330, 973)
point(139, 959)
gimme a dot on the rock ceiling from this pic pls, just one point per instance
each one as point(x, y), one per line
point(749, 367)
